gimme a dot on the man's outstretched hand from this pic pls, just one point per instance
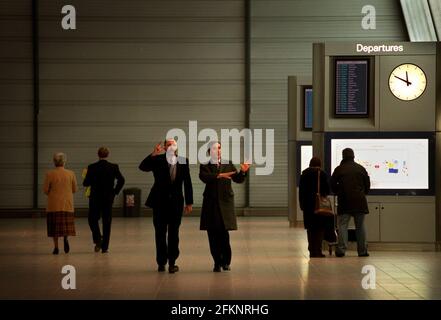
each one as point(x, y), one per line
point(158, 150)
point(225, 175)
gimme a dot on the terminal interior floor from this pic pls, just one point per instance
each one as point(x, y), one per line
point(270, 261)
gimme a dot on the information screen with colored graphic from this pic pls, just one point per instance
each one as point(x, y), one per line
point(390, 163)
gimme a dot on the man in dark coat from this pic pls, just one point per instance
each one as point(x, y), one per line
point(218, 215)
point(101, 178)
point(167, 200)
point(318, 228)
point(350, 181)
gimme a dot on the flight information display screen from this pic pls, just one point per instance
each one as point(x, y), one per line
point(351, 88)
point(307, 121)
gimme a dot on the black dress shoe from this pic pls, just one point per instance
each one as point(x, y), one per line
point(104, 251)
point(66, 245)
point(217, 268)
point(161, 268)
point(364, 254)
point(173, 269)
point(56, 251)
point(97, 247)
point(339, 255)
point(226, 267)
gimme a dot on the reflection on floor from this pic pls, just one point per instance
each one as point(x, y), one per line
point(270, 261)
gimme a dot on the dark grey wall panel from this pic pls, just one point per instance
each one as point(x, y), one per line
point(134, 69)
point(14, 51)
point(337, 9)
point(15, 104)
point(147, 10)
point(152, 91)
point(130, 72)
point(282, 36)
point(135, 30)
point(314, 29)
point(140, 72)
point(180, 52)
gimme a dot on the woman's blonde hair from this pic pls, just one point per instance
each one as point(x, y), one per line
point(59, 159)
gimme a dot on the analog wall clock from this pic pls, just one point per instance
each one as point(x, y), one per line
point(407, 82)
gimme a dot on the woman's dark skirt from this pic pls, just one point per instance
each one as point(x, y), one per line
point(314, 221)
point(60, 224)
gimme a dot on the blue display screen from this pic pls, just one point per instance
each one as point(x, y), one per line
point(308, 108)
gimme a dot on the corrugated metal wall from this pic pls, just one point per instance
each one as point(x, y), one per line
point(16, 107)
point(282, 34)
point(133, 69)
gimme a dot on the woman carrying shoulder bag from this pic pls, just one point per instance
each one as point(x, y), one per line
point(316, 224)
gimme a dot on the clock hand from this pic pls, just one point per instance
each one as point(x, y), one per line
point(407, 79)
point(407, 82)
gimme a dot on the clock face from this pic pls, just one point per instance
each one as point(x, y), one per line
point(407, 82)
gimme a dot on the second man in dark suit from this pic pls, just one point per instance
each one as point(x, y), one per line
point(101, 178)
point(167, 200)
point(218, 214)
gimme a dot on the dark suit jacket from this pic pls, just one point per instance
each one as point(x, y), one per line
point(351, 183)
point(101, 178)
point(165, 193)
point(218, 194)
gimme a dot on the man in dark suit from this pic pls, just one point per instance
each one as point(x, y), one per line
point(218, 215)
point(167, 200)
point(101, 178)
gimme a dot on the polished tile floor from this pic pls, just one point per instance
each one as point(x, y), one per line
point(270, 261)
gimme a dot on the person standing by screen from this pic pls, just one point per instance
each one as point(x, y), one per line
point(318, 228)
point(350, 182)
point(217, 215)
point(101, 178)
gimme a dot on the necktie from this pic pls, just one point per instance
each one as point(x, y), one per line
point(172, 172)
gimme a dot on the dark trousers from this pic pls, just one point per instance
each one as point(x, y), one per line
point(167, 222)
point(220, 246)
point(315, 240)
point(100, 209)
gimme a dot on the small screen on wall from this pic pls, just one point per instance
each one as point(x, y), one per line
point(308, 109)
point(305, 156)
point(351, 88)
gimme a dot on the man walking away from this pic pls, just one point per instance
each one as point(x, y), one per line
point(101, 178)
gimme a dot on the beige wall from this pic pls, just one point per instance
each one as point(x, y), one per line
point(134, 69)
point(282, 34)
point(131, 72)
point(16, 156)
